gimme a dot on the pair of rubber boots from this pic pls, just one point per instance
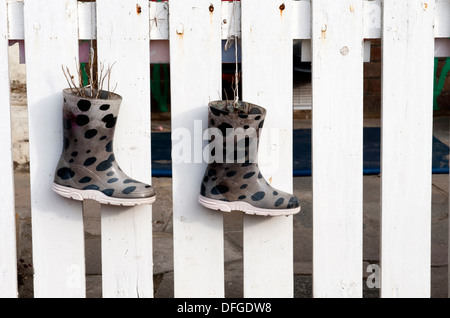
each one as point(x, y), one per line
point(87, 168)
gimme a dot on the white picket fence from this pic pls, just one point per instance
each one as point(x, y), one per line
point(336, 32)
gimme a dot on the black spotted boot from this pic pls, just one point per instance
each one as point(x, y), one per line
point(232, 180)
point(87, 168)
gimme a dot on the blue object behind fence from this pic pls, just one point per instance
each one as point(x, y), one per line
point(162, 163)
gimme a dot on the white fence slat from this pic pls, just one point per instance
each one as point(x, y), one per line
point(123, 39)
point(442, 21)
point(337, 144)
point(407, 119)
point(159, 20)
point(231, 13)
point(195, 62)
point(301, 11)
point(268, 82)
point(372, 19)
point(8, 261)
point(51, 38)
point(87, 20)
point(15, 20)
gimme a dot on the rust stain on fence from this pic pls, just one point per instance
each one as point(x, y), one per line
point(324, 32)
point(282, 7)
point(180, 31)
point(138, 9)
point(211, 11)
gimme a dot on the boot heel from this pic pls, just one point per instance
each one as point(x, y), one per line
point(214, 204)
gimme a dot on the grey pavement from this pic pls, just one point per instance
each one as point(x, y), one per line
point(302, 231)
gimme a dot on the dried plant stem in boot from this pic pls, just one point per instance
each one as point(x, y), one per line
point(96, 80)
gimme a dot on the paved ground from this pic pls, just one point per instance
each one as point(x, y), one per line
point(162, 238)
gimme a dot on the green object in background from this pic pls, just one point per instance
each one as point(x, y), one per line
point(160, 95)
point(84, 74)
point(439, 82)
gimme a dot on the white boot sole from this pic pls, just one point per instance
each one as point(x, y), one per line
point(226, 206)
point(98, 196)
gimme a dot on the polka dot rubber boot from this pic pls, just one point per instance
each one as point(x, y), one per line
point(232, 180)
point(87, 168)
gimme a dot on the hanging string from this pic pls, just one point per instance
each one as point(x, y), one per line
point(236, 74)
point(233, 21)
point(91, 49)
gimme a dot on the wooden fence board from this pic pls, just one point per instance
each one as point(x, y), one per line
point(267, 81)
point(407, 117)
point(123, 39)
point(8, 261)
point(51, 37)
point(337, 127)
point(195, 54)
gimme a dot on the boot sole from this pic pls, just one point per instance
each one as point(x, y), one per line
point(226, 206)
point(98, 196)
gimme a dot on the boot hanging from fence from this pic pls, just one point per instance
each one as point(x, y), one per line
point(87, 168)
point(233, 180)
